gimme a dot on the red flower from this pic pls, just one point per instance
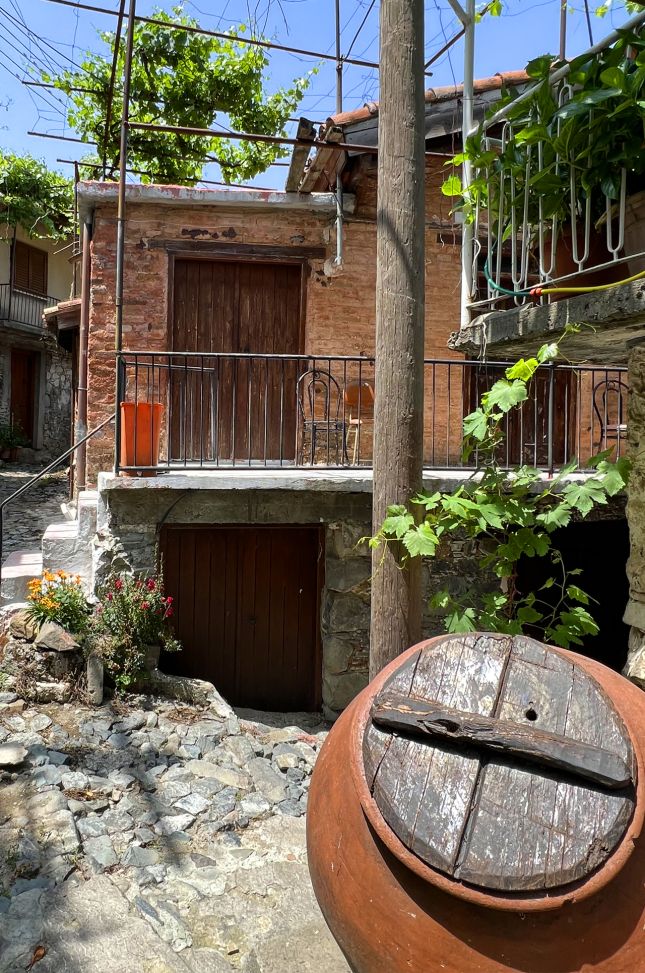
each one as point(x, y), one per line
point(169, 600)
point(118, 584)
point(110, 596)
point(151, 584)
point(169, 612)
point(145, 605)
point(137, 584)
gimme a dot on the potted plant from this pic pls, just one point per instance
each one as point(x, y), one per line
point(130, 627)
point(12, 439)
point(595, 132)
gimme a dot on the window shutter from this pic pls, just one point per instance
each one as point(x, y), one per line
point(21, 266)
point(30, 268)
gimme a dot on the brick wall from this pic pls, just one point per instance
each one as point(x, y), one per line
point(340, 310)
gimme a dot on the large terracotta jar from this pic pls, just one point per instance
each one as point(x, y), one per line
point(479, 808)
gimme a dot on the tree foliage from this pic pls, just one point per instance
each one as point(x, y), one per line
point(182, 79)
point(33, 197)
point(511, 516)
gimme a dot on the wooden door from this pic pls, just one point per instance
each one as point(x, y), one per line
point(241, 409)
point(247, 611)
point(23, 390)
point(526, 439)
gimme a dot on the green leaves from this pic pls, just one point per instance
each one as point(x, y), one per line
point(183, 79)
point(33, 197)
point(505, 516)
point(451, 186)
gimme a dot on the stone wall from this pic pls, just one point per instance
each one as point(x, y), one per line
point(129, 521)
point(635, 612)
point(53, 393)
point(340, 310)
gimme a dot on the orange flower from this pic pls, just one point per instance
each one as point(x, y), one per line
point(61, 574)
point(48, 576)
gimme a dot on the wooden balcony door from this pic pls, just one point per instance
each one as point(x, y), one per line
point(234, 409)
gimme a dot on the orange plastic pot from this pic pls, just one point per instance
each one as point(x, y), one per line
point(140, 434)
point(391, 914)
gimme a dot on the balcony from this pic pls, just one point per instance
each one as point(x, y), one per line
point(554, 209)
point(250, 412)
point(23, 308)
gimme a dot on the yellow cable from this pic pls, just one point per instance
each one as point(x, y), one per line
point(538, 291)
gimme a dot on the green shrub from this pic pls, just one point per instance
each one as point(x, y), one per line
point(59, 598)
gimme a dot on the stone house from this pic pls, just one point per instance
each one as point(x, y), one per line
point(249, 331)
point(36, 368)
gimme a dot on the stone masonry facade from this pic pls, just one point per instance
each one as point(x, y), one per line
point(340, 310)
point(128, 526)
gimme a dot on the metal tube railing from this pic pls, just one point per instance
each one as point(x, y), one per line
point(251, 411)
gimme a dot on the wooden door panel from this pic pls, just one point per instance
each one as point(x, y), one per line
point(247, 611)
point(235, 409)
point(23, 390)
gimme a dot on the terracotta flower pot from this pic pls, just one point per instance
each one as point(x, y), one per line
point(140, 434)
point(391, 913)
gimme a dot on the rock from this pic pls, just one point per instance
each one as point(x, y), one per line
point(75, 781)
point(23, 625)
point(116, 821)
point(94, 675)
point(137, 857)
point(40, 722)
point(118, 740)
point(144, 835)
point(52, 692)
point(62, 836)
point(287, 761)
point(12, 754)
point(266, 781)
point(225, 775)
point(121, 779)
point(56, 757)
point(207, 787)
point(192, 804)
point(6, 699)
point(293, 809)
point(100, 853)
point(53, 638)
point(254, 806)
point(173, 790)
point(172, 823)
point(166, 921)
point(91, 826)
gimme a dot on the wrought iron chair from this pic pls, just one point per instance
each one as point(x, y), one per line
point(610, 406)
point(323, 428)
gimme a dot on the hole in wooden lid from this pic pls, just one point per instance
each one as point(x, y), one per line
point(531, 715)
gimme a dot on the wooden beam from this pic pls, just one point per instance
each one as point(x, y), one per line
point(416, 717)
point(306, 130)
point(400, 309)
point(326, 161)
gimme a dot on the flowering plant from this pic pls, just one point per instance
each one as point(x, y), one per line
point(131, 616)
point(59, 598)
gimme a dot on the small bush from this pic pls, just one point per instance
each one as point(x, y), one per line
point(59, 598)
point(132, 615)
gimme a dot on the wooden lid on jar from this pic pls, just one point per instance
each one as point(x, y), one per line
point(501, 763)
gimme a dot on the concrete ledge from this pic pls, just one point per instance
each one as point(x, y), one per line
point(613, 316)
point(349, 480)
point(17, 571)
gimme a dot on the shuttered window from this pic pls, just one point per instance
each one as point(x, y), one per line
point(30, 268)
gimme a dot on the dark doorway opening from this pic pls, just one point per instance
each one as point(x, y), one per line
point(601, 549)
point(23, 391)
point(247, 611)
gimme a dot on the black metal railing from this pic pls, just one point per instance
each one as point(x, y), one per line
point(188, 410)
point(23, 307)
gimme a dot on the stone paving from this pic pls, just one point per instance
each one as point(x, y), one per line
point(157, 837)
point(26, 518)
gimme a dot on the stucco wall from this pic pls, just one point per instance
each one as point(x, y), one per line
point(340, 310)
point(59, 269)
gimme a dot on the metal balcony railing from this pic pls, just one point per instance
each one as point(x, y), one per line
point(537, 222)
point(22, 307)
point(192, 411)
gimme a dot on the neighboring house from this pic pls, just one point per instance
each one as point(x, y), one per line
point(257, 350)
point(36, 378)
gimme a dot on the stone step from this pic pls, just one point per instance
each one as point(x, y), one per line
point(63, 549)
point(17, 571)
point(86, 513)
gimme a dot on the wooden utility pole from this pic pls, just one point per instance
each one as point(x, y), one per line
point(400, 315)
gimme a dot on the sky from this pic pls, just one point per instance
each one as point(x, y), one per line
point(39, 32)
